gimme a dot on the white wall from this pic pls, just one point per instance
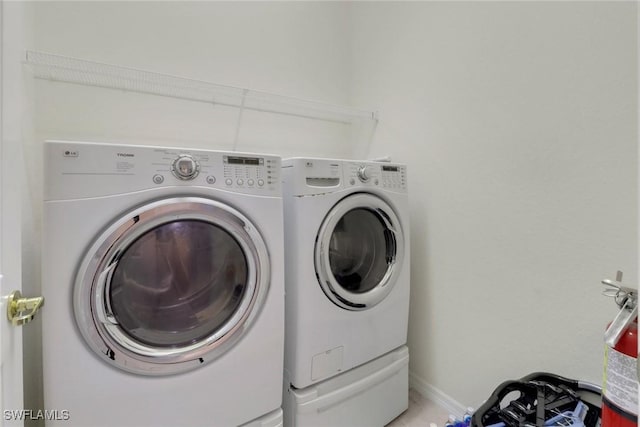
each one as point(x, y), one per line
point(518, 123)
point(295, 49)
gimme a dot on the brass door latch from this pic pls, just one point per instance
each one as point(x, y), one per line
point(22, 310)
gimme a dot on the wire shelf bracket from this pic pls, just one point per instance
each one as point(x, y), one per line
point(60, 68)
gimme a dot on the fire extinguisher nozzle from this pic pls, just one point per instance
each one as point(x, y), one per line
point(625, 316)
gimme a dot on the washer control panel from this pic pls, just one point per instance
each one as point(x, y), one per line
point(384, 175)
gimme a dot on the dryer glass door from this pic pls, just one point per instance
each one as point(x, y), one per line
point(171, 285)
point(178, 283)
point(359, 247)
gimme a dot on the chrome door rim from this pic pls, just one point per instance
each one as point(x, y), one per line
point(92, 311)
point(334, 291)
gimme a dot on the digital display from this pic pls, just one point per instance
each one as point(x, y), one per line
point(390, 168)
point(244, 160)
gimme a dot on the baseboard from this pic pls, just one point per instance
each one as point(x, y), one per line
point(436, 396)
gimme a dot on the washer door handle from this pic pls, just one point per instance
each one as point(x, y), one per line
point(22, 310)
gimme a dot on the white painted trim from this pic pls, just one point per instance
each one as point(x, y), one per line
point(435, 395)
point(11, 161)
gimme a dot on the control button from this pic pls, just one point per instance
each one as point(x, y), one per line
point(185, 167)
point(352, 181)
point(158, 179)
point(363, 174)
point(261, 182)
point(228, 181)
point(250, 182)
point(376, 182)
point(240, 181)
point(211, 179)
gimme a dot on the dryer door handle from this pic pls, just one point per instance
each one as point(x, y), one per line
point(102, 289)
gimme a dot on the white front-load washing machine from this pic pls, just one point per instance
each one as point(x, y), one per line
point(347, 284)
point(163, 275)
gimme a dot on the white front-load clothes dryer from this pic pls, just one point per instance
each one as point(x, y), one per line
point(347, 270)
point(163, 278)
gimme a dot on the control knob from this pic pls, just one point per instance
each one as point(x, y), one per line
point(185, 167)
point(363, 174)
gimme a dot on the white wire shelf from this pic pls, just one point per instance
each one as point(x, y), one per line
point(89, 73)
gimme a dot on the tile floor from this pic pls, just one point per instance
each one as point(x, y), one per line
point(421, 413)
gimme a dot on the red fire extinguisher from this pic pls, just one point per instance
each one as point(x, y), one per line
point(620, 384)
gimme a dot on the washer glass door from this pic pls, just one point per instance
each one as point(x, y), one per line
point(171, 285)
point(359, 247)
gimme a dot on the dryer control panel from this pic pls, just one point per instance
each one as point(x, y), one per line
point(393, 176)
point(102, 169)
point(252, 172)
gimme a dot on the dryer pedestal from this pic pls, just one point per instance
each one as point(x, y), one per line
point(370, 395)
point(272, 419)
